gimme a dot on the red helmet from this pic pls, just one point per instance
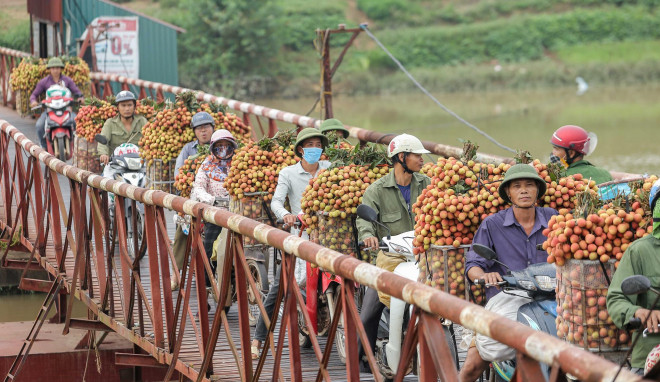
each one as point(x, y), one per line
point(572, 137)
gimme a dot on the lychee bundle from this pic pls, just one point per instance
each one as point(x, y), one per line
point(164, 136)
point(185, 178)
point(460, 196)
point(582, 316)
point(148, 108)
point(598, 231)
point(91, 117)
point(603, 235)
point(31, 70)
point(330, 202)
point(255, 167)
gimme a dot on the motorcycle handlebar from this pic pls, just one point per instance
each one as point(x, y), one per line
point(482, 282)
point(381, 245)
point(296, 224)
point(634, 323)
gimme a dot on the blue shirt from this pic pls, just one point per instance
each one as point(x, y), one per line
point(187, 151)
point(502, 233)
point(405, 191)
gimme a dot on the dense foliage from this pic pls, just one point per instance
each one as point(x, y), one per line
point(227, 40)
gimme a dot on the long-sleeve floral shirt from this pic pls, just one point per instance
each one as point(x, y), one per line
point(210, 179)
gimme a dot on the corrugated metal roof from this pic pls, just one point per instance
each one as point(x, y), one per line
point(157, 39)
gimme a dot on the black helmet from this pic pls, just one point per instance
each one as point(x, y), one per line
point(125, 95)
point(202, 118)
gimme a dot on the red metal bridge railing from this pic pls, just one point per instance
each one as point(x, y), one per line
point(143, 309)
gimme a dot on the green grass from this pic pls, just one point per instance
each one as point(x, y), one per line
point(624, 51)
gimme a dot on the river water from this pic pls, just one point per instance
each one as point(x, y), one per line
point(25, 307)
point(624, 118)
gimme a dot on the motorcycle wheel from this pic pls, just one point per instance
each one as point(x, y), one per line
point(340, 338)
point(61, 154)
point(303, 338)
point(137, 230)
point(259, 274)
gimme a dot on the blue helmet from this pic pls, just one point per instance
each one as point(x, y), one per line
point(202, 118)
point(654, 194)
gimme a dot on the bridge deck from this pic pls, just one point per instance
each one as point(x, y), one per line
point(224, 365)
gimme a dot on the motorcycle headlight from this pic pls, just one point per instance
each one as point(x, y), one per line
point(134, 163)
point(546, 283)
point(526, 284)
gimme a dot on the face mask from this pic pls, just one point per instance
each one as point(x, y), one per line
point(222, 151)
point(312, 154)
point(556, 159)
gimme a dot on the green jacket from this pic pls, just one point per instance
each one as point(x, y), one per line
point(114, 130)
point(597, 174)
point(385, 197)
point(641, 258)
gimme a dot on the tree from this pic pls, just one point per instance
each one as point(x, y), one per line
point(227, 41)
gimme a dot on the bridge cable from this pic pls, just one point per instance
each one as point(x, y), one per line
point(445, 108)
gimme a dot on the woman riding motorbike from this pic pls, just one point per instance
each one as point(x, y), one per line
point(209, 185)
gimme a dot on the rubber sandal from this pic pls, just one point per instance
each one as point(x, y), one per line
point(256, 352)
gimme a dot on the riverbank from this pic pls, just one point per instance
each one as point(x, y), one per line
point(545, 74)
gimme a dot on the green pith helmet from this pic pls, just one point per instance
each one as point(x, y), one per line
point(521, 171)
point(333, 124)
point(55, 62)
point(306, 133)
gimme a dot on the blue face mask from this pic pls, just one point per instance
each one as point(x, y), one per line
point(312, 154)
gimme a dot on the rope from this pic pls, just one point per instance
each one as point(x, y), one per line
point(403, 69)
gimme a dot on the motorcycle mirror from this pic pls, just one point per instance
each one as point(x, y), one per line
point(101, 139)
point(484, 252)
point(635, 284)
point(367, 213)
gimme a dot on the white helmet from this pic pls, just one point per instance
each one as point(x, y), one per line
point(405, 143)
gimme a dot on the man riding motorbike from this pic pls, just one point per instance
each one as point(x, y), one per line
point(641, 258)
point(513, 234)
point(392, 197)
point(209, 186)
point(203, 125)
point(126, 127)
point(55, 66)
point(570, 144)
point(291, 184)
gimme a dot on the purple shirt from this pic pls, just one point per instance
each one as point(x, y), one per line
point(48, 81)
point(502, 233)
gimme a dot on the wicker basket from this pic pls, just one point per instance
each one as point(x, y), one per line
point(85, 155)
point(582, 317)
point(443, 267)
point(253, 207)
point(336, 232)
point(160, 175)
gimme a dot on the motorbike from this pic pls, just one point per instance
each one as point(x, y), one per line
point(257, 264)
point(322, 292)
point(59, 124)
point(539, 281)
point(395, 319)
point(127, 166)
